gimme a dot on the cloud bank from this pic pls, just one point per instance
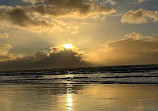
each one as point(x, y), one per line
point(49, 14)
point(56, 58)
point(139, 16)
point(131, 50)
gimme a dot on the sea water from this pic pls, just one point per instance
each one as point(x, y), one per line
point(121, 88)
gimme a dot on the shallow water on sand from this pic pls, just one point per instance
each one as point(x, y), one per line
point(78, 97)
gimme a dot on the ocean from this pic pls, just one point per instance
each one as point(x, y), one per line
point(110, 88)
point(139, 74)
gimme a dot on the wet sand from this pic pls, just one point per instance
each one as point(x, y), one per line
point(79, 97)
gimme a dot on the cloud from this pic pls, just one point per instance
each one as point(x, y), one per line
point(4, 35)
point(4, 58)
point(46, 60)
point(4, 48)
point(49, 14)
point(19, 17)
point(140, 1)
point(134, 36)
point(139, 16)
point(111, 2)
point(131, 50)
point(32, 1)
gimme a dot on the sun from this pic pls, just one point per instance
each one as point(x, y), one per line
point(68, 46)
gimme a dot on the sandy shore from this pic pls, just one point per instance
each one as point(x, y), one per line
point(69, 97)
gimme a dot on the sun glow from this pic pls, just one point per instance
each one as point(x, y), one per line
point(69, 102)
point(68, 46)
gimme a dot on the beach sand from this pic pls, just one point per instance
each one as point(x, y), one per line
point(79, 97)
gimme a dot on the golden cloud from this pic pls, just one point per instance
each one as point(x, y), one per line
point(139, 16)
point(140, 1)
point(4, 48)
point(49, 14)
point(4, 35)
point(131, 50)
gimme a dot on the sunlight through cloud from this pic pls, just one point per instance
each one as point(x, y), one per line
point(68, 46)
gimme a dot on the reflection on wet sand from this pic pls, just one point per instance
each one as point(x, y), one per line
point(69, 102)
point(69, 97)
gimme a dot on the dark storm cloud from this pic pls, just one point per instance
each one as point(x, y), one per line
point(43, 60)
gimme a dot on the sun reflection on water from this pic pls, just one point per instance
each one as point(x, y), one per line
point(69, 101)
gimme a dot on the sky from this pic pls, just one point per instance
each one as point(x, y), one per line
point(102, 32)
